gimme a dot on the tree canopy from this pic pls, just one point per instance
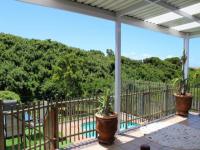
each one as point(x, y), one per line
point(45, 68)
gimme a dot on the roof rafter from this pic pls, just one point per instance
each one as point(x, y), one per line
point(133, 8)
point(195, 35)
point(74, 7)
point(69, 5)
point(153, 27)
point(174, 9)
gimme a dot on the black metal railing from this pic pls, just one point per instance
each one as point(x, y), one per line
point(48, 124)
point(195, 90)
point(142, 107)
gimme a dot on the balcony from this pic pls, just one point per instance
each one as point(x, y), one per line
point(147, 117)
point(171, 133)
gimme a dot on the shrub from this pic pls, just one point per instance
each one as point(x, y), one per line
point(9, 95)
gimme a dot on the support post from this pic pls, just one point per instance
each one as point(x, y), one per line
point(2, 138)
point(118, 69)
point(186, 47)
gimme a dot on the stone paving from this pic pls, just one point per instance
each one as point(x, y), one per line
point(133, 139)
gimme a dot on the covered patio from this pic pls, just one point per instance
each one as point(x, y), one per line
point(173, 133)
point(180, 18)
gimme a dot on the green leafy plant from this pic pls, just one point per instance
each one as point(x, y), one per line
point(182, 83)
point(105, 104)
point(195, 77)
point(39, 69)
point(9, 95)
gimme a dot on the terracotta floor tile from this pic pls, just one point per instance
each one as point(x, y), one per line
point(133, 139)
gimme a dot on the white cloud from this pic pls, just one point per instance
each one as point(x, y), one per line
point(168, 56)
point(135, 56)
point(142, 56)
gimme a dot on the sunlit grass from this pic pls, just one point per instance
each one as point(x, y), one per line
point(31, 140)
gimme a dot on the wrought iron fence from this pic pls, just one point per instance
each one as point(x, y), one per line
point(47, 124)
point(195, 90)
point(140, 108)
point(58, 124)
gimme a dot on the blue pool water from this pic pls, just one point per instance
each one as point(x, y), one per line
point(92, 125)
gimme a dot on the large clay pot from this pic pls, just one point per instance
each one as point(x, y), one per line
point(183, 104)
point(106, 127)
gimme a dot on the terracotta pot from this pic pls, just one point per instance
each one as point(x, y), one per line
point(106, 127)
point(183, 104)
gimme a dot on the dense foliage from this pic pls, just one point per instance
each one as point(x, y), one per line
point(44, 68)
point(8, 95)
point(195, 76)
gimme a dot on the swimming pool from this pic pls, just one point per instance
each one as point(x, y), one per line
point(92, 125)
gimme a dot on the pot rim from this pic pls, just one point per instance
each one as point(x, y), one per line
point(187, 95)
point(114, 115)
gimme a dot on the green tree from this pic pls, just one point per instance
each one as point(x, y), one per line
point(44, 68)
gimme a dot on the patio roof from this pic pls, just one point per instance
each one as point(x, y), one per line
point(174, 17)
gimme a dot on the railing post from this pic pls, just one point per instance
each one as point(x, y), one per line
point(126, 108)
point(166, 100)
point(2, 139)
point(149, 102)
point(142, 103)
point(55, 126)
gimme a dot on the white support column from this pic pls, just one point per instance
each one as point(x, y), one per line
point(118, 69)
point(186, 47)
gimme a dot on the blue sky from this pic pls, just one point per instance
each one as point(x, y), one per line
point(87, 32)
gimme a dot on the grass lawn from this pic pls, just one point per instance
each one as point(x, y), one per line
point(31, 140)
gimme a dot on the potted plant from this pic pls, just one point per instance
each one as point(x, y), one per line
point(183, 98)
point(106, 119)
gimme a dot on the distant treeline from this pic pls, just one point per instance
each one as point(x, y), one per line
point(44, 68)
